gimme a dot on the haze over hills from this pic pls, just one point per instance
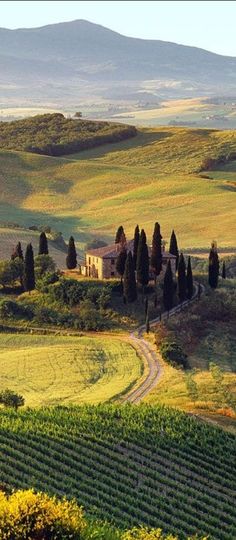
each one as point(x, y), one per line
point(62, 64)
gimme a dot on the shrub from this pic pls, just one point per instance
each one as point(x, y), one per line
point(47, 279)
point(173, 353)
point(14, 310)
point(43, 264)
point(8, 398)
point(36, 516)
point(10, 272)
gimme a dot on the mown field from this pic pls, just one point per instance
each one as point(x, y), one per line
point(130, 465)
point(153, 176)
point(10, 237)
point(49, 370)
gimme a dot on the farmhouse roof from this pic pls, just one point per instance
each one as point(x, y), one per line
point(111, 251)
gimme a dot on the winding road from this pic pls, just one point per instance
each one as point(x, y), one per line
point(151, 355)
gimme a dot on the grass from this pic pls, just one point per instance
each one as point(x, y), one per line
point(152, 175)
point(61, 370)
point(10, 237)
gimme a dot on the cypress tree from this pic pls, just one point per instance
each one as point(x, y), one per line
point(147, 324)
point(182, 278)
point(189, 280)
point(120, 262)
point(213, 269)
point(168, 288)
point(71, 259)
point(156, 255)
point(29, 277)
point(174, 247)
point(136, 241)
point(223, 270)
point(43, 244)
point(130, 289)
point(119, 234)
point(142, 261)
point(17, 252)
point(146, 306)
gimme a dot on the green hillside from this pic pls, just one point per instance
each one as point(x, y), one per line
point(132, 465)
point(153, 176)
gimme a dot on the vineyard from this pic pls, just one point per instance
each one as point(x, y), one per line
point(132, 465)
point(51, 371)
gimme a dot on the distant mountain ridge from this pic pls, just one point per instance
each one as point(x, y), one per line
point(79, 53)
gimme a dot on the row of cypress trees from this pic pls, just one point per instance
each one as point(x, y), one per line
point(28, 278)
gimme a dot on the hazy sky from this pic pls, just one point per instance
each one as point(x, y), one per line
point(210, 25)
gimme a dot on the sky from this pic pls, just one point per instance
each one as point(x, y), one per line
point(206, 24)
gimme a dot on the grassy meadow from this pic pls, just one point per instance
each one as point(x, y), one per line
point(153, 176)
point(49, 370)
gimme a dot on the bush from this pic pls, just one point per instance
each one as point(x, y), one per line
point(67, 291)
point(11, 271)
point(47, 279)
point(36, 516)
point(9, 309)
point(173, 353)
point(43, 264)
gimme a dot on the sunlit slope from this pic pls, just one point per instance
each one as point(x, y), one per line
point(67, 370)
point(153, 176)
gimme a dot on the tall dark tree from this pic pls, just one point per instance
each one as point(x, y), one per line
point(29, 277)
point(142, 265)
point(120, 262)
point(189, 280)
point(43, 244)
point(224, 270)
point(156, 254)
point(174, 250)
point(146, 306)
point(182, 278)
point(147, 323)
point(120, 234)
point(17, 252)
point(168, 288)
point(213, 269)
point(71, 259)
point(129, 283)
point(136, 241)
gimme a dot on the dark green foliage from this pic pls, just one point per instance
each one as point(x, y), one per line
point(174, 247)
point(43, 244)
point(29, 277)
point(182, 278)
point(189, 280)
point(147, 323)
point(168, 288)
point(172, 352)
point(94, 244)
point(8, 398)
point(46, 279)
point(55, 135)
point(9, 309)
point(156, 255)
point(136, 242)
point(120, 262)
point(11, 271)
point(142, 260)
point(130, 289)
point(71, 259)
point(120, 235)
point(43, 264)
point(146, 305)
point(224, 270)
point(17, 252)
point(213, 269)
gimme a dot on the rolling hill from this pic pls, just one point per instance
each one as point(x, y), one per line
point(153, 176)
point(130, 465)
point(57, 64)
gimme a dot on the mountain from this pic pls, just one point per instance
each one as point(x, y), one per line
point(60, 63)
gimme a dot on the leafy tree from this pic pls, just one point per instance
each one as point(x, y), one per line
point(120, 262)
point(129, 284)
point(71, 259)
point(8, 398)
point(29, 276)
point(223, 270)
point(142, 261)
point(43, 264)
point(172, 352)
point(17, 252)
point(10, 272)
point(136, 242)
point(120, 233)
point(189, 280)
point(213, 269)
point(174, 247)
point(43, 244)
point(156, 254)
point(168, 288)
point(182, 278)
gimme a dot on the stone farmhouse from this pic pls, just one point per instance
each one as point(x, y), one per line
point(101, 262)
